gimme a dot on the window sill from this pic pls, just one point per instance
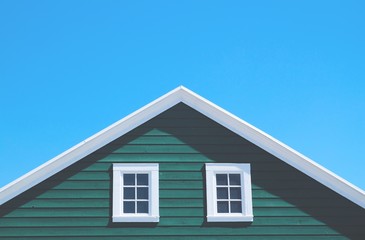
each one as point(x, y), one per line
point(230, 218)
point(136, 219)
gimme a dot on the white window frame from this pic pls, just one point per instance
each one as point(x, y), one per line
point(244, 170)
point(152, 170)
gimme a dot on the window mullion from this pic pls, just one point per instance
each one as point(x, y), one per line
point(229, 194)
point(135, 193)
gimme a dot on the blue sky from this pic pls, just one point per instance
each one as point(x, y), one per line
point(294, 69)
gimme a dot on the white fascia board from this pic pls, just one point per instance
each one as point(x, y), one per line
point(216, 113)
point(275, 147)
point(89, 145)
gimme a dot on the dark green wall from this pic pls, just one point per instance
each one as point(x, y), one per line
point(77, 201)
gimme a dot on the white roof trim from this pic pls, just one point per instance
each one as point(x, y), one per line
point(182, 94)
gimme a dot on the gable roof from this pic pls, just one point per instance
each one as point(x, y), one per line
point(226, 119)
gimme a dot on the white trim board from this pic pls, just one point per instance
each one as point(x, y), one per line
point(184, 95)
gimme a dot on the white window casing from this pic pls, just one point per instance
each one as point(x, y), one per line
point(230, 210)
point(119, 188)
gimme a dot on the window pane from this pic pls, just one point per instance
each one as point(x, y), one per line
point(221, 179)
point(235, 193)
point(236, 207)
point(129, 193)
point(222, 207)
point(129, 207)
point(142, 193)
point(142, 179)
point(128, 179)
point(142, 207)
point(234, 179)
point(222, 193)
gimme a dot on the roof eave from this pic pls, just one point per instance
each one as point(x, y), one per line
point(275, 147)
point(89, 145)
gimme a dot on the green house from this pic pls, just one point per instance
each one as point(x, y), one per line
point(181, 168)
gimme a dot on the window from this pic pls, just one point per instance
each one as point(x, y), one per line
point(229, 197)
point(135, 192)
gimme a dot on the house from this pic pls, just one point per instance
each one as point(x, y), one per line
point(181, 168)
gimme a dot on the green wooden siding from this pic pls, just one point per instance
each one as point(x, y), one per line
point(76, 203)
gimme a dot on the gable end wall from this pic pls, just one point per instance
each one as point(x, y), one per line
point(76, 202)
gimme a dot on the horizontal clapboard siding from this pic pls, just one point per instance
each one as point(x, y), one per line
point(76, 203)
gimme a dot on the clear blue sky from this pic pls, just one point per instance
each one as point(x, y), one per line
point(294, 69)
